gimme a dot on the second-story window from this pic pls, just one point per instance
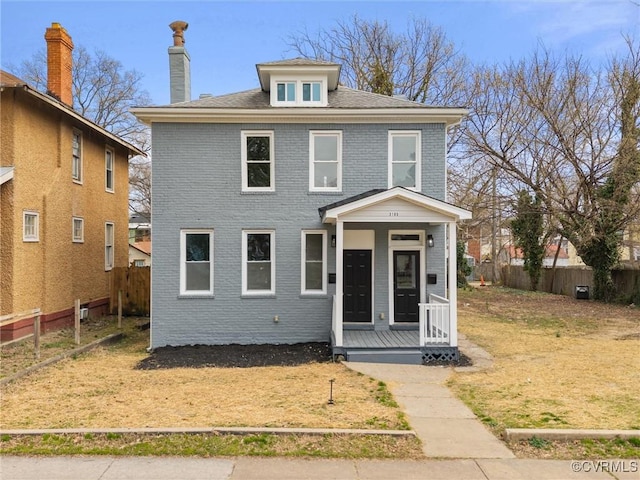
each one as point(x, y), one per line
point(325, 158)
point(77, 229)
point(76, 160)
point(258, 162)
point(311, 91)
point(404, 159)
point(108, 168)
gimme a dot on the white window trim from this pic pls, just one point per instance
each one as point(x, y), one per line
point(75, 239)
point(36, 234)
point(109, 242)
point(245, 174)
point(405, 133)
point(111, 189)
point(183, 262)
point(312, 135)
point(272, 256)
point(303, 262)
point(299, 80)
point(80, 178)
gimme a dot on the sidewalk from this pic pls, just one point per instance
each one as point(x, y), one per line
point(446, 426)
point(247, 468)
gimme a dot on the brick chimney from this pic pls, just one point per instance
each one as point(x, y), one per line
point(59, 63)
point(179, 65)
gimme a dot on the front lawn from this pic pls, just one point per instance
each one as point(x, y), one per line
point(558, 362)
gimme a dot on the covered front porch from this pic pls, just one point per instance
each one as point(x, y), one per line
point(410, 316)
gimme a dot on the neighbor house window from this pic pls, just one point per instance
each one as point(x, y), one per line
point(325, 158)
point(108, 245)
point(138, 263)
point(314, 254)
point(404, 159)
point(77, 229)
point(108, 167)
point(196, 262)
point(257, 161)
point(76, 161)
point(258, 259)
point(31, 226)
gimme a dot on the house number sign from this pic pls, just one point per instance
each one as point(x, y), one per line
point(394, 214)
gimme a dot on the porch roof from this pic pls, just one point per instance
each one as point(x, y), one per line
point(372, 206)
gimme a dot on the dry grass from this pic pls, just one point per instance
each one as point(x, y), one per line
point(104, 389)
point(558, 362)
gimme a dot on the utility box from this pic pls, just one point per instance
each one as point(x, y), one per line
point(582, 292)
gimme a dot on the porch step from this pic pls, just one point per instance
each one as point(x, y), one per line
point(402, 356)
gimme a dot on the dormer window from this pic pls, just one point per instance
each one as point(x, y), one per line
point(298, 93)
point(299, 82)
point(286, 91)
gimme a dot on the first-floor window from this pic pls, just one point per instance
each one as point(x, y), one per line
point(31, 227)
point(258, 258)
point(108, 246)
point(314, 254)
point(196, 262)
point(77, 229)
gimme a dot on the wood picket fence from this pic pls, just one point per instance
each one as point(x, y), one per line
point(135, 285)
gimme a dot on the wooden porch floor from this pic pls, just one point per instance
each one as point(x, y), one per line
point(381, 339)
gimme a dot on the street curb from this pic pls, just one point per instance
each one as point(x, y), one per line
point(517, 434)
point(211, 430)
point(114, 337)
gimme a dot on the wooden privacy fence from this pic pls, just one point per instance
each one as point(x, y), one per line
point(135, 285)
point(565, 279)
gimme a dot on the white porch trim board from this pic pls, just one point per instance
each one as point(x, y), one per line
point(339, 283)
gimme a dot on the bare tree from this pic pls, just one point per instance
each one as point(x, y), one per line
point(569, 134)
point(103, 92)
point(420, 63)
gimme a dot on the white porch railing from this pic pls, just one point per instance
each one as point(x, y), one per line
point(337, 332)
point(435, 321)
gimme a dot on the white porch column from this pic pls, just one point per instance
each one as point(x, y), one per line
point(453, 286)
point(339, 282)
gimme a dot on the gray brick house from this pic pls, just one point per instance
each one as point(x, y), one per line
point(302, 211)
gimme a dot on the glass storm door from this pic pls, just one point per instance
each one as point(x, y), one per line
point(406, 286)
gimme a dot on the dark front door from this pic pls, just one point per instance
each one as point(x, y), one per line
point(406, 285)
point(357, 286)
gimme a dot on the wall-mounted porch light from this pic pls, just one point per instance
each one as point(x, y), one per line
point(333, 241)
point(430, 240)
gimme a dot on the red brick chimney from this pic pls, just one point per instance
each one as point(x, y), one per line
point(59, 63)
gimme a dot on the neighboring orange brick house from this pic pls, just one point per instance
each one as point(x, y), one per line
point(63, 199)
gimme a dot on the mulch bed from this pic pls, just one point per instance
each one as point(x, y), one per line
point(242, 356)
point(245, 356)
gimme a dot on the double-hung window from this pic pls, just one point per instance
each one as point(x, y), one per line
point(314, 265)
point(325, 161)
point(108, 245)
point(404, 159)
point(77, 229)
point(76, 159)
point(258, 162)
point(258, 262)
point(30, 226)
point(196, 262)
point(108, 170)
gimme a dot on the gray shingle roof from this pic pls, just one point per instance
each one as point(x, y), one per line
point(341, 98)
point(299, 61)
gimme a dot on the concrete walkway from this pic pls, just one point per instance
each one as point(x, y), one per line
point(248, 468)
point(446, 426)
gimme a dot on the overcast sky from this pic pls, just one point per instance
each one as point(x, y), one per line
point(226, 39)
